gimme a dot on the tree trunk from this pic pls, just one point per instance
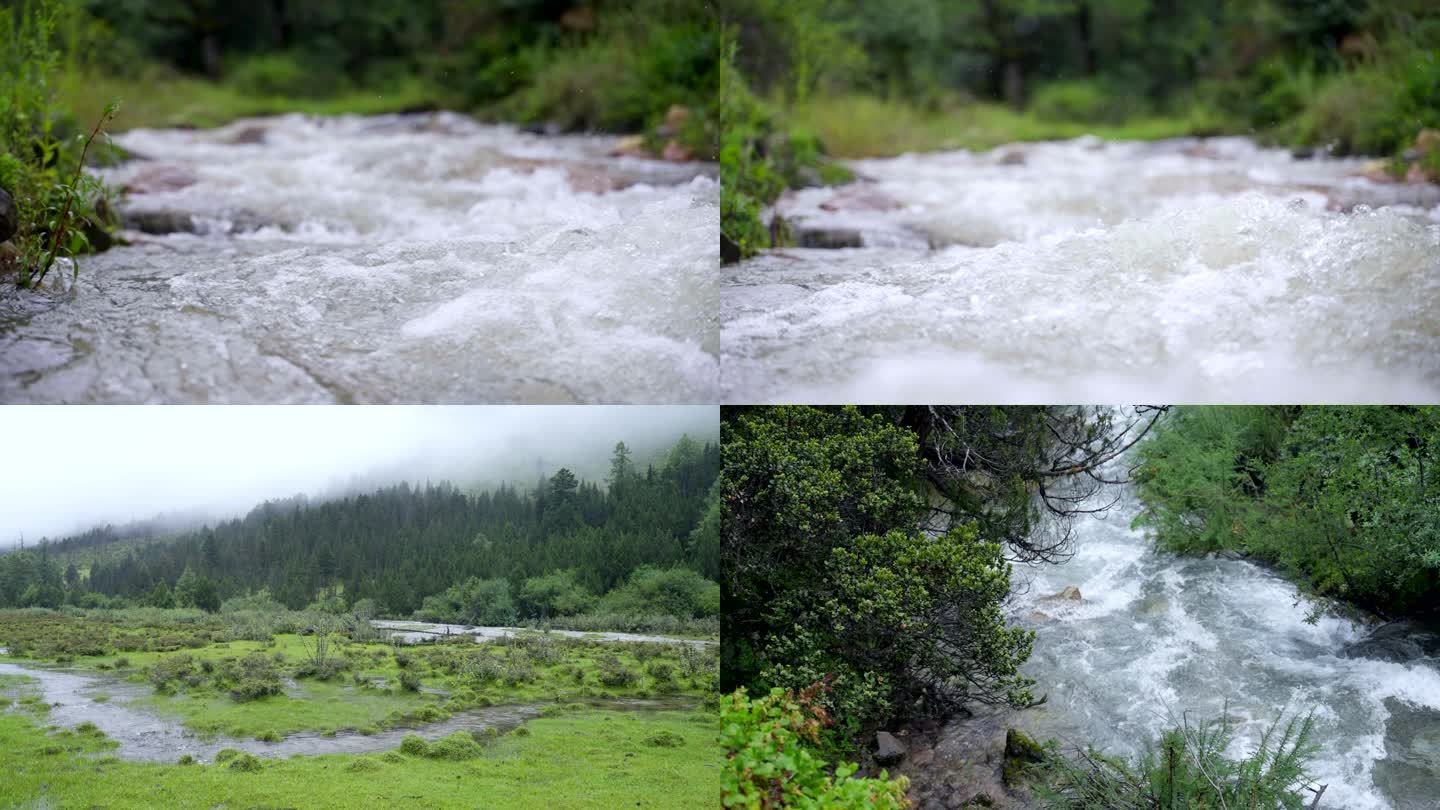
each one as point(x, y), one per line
point(1014, 83)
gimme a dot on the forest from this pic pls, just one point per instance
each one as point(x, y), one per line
point(858, 78)
point(639, 551)
point(890, 638)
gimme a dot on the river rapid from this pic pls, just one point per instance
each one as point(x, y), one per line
point(1186, 270)
point(399, 258)
point(1154, 636)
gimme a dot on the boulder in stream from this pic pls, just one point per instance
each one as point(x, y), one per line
point(1069, 592)
point(157, 221)
point(1399, 642)
point(889, 749)
point(161, 177)
point(828, 238)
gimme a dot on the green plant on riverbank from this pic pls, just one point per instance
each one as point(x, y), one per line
point(1188, 770)
point(772, 758)
point(60, 212)
point(1343, 500)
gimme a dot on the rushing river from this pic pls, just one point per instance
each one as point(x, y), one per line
point(1196, 271)
point(1154, 636)
point(147, 736)
point(382, 259)
point(413, 632)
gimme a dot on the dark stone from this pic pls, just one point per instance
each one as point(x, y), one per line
point(9, 217)
point(161, 177)
point(829, 238)
point(889, 750)
point(1397, 642)
point(1303, 152)
point(729, 251)
point(158, 221)
point(98, 235)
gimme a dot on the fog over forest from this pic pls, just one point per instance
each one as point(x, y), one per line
point(71, 468)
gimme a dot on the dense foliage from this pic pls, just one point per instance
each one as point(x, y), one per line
point(1343, 499)
point(771, 759)
point(1189, 770)
point(644, 545)
point(58, 211)
point(829, 576)
point(613, 65)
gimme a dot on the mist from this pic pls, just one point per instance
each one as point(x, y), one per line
point(70, 468)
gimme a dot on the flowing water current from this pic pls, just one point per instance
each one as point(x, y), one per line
point(396, 258)
point(1187, 270)
point(1153, 636)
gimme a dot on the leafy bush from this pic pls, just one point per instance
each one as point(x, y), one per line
point(665, 739)
point(672, 592)
point(409, 681)
point(415, 745)
point(771, 759)
point(1088, 102)
point(614, 674)
point(246, 763)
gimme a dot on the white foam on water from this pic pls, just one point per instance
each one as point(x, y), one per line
point(1092, 272)
point(1156, 637)
point(391, 259)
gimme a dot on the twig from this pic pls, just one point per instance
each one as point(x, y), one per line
point(62, 222)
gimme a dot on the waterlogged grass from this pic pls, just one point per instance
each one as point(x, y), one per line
point(858, 126)
point(162, 99)
point(203, 683)
point(577, 760)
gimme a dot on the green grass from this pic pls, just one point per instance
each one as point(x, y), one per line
point(531, 669)
point(859, 126)
point(162, 99)
point(578, 760)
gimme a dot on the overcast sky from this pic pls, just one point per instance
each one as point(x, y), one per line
point(67, 468)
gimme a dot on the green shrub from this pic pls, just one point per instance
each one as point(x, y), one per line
point(614, 674)
point(771, 758)
point(363, 765)
point(1084, 101)
point(185, 759)
point(415, 746)
point(288, 73)
point(457, 746)
point(409, 681)
point(246, 763)
point(665, 739)
point(225, 755)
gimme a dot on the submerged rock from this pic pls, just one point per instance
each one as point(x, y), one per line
point(828, 238)
point(161, 177)
point(1399, 642)
point(1069, 592)
point(9, 217)
point(889, 749)
point(157, 221)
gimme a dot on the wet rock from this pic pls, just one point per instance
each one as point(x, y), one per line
point(889, 749)
point(631, 146)
point(1399, 642)
point(1038, 616)
point(808, 177)
point(249, 135)
point(157, 221)
point(675, 152)
point(9, 261)
point(1303, 152)
point(729, 251)
point(827, 237)
point(9, 217)
point(1069, 592)
point(675, 120)
point(1011, 157)
point(545, 128)
point(97, 234)
point(861, 198)
point(1020, 753)
point(161, 177)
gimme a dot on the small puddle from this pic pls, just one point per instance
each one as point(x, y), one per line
point(147, 737)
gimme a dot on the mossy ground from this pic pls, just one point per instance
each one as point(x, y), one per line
point(163, 99)
point(857, 126)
